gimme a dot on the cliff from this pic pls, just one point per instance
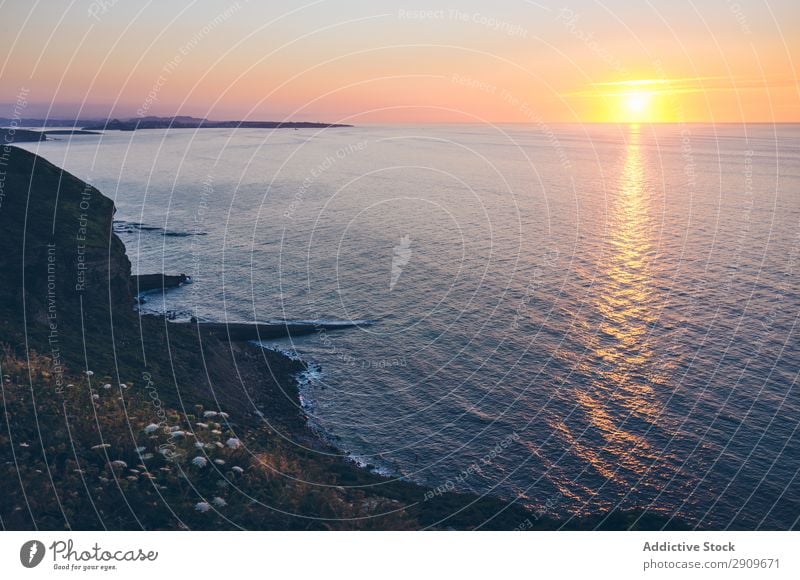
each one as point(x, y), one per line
point(61, 262)
point(68, 293)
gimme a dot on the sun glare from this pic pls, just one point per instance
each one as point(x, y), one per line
point(637, 107)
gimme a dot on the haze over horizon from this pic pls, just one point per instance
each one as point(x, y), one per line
point(383, 63)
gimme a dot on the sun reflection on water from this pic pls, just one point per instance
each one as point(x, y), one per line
point(617, 404)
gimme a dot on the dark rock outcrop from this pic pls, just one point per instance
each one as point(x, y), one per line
point(150, 282)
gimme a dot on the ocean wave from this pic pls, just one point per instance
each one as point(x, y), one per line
point(292, 354)
point(126, 227)
point(179, 234)
point(367, 463)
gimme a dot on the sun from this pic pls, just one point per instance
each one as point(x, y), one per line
point(632, 101)
point(637, 106)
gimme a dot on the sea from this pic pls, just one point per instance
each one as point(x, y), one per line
point(578, 318)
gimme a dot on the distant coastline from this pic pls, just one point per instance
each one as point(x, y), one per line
point(192, 123)
point(81, 126)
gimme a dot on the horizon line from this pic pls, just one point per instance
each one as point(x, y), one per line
point(68, 118)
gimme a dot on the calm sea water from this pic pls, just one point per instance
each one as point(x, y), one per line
point(581, 318)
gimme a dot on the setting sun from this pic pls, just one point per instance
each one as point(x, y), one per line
point(638, 106)
point(633, 101)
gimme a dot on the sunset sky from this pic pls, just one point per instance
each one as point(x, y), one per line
point(381, 61)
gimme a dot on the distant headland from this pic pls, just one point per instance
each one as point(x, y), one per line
point(177, 122)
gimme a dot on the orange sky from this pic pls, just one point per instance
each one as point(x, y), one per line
point(464, 61)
